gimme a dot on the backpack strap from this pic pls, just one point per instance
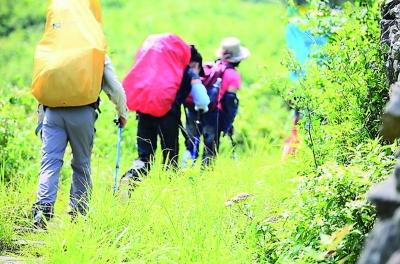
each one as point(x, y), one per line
point(96, 105)
point(217, 71)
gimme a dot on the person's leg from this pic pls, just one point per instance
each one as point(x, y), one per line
point(192, 140)
point(54, 142)
point(146, 144)
point(79, 123)
point(147, 137)
point(296, 116)
point(169, 134)
point(210, 125)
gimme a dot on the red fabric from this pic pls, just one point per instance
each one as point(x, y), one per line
point(291, 143)
point(154, 80)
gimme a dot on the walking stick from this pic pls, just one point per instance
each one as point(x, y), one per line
point(118, 159)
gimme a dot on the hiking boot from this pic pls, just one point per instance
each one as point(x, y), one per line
point(42, 213)
point(187, 159)
point(137, 171)
point(74, 215)
point(75, 212)
point(207, 162)
point(129, 181)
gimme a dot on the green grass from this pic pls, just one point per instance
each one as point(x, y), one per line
point(173, 217)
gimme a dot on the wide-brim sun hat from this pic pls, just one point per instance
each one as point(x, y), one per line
point(232, 51)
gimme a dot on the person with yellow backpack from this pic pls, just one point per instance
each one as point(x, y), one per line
point(71, 68)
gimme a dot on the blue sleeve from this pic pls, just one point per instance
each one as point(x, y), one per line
point(199, 94)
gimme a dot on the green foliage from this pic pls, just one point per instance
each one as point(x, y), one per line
point(328, 217)
point(15, 15)
point(6, 233)
point(14, 158)
point(342, 96)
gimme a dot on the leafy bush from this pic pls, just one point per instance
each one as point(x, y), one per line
point(328, 217)
point(343, 94)
point(341, 97)
point(17, 147)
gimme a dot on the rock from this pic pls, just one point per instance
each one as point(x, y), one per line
point(383, 241)
point(395, 259)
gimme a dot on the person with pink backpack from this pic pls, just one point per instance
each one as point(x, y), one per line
point(222, 81)
point(165, 72)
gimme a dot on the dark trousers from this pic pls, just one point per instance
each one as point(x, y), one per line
point(208, 127)
point(167, 128)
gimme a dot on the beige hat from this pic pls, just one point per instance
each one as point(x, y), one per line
point(231, 50)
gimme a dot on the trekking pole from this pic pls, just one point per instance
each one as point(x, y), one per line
point(118, 159)
point(198, 117)
point(233, 142)
point(196, 139)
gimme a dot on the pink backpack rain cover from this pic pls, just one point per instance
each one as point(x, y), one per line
point(154, 80)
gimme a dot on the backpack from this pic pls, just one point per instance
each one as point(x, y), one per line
point(69, 59)
point(152, 83)
point(212, 71)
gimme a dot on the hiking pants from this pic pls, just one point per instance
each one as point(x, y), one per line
point(73, 125)
point(167, 127)
point(208, 128)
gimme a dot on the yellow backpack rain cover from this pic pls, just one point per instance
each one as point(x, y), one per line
point(69, 60)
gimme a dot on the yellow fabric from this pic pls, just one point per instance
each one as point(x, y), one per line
point(69, 60)
point(96, 9)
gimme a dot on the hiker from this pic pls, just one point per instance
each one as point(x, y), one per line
point(222, 80)
point(69, 92)
point(166, 71)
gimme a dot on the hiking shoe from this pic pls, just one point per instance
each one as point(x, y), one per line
point(74, 215)
point(129, 181)
point(75, 212)
point(137, 171)
point(187, 159)
point(42, 213)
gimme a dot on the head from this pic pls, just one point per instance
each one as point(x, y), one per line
point(196, 60)
point(232, 51)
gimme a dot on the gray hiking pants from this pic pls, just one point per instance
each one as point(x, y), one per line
point(60, 126)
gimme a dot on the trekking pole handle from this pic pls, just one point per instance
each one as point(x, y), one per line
point(117, 122)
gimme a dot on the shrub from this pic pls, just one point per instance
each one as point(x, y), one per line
point(328, 217)
point(14, 15)
point(344, 91)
